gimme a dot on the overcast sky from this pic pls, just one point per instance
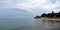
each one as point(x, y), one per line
point(31, 6)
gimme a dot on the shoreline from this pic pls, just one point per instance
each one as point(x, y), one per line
point(53, 19)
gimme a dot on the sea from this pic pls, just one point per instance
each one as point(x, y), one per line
point(28, 24)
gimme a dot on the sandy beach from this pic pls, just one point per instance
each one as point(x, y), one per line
point(54, 19)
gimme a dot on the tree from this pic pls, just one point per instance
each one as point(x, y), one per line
point(52, 12)
point(37, 16)
point(43, 15)
point(48, 15)
point(58, 15)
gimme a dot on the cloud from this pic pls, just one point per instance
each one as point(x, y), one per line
point(32, 6)
point(28, 5)
point(50, 5)
point(10, 3)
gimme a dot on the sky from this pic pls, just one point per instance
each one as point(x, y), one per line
point(27, 8)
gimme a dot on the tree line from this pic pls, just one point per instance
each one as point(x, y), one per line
point(49, 15)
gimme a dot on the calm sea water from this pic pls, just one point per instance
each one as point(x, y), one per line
point(28, 24)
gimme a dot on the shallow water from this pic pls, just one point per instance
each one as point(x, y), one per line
point(28, 24)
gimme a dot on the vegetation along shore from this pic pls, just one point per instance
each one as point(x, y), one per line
point(49, 16)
